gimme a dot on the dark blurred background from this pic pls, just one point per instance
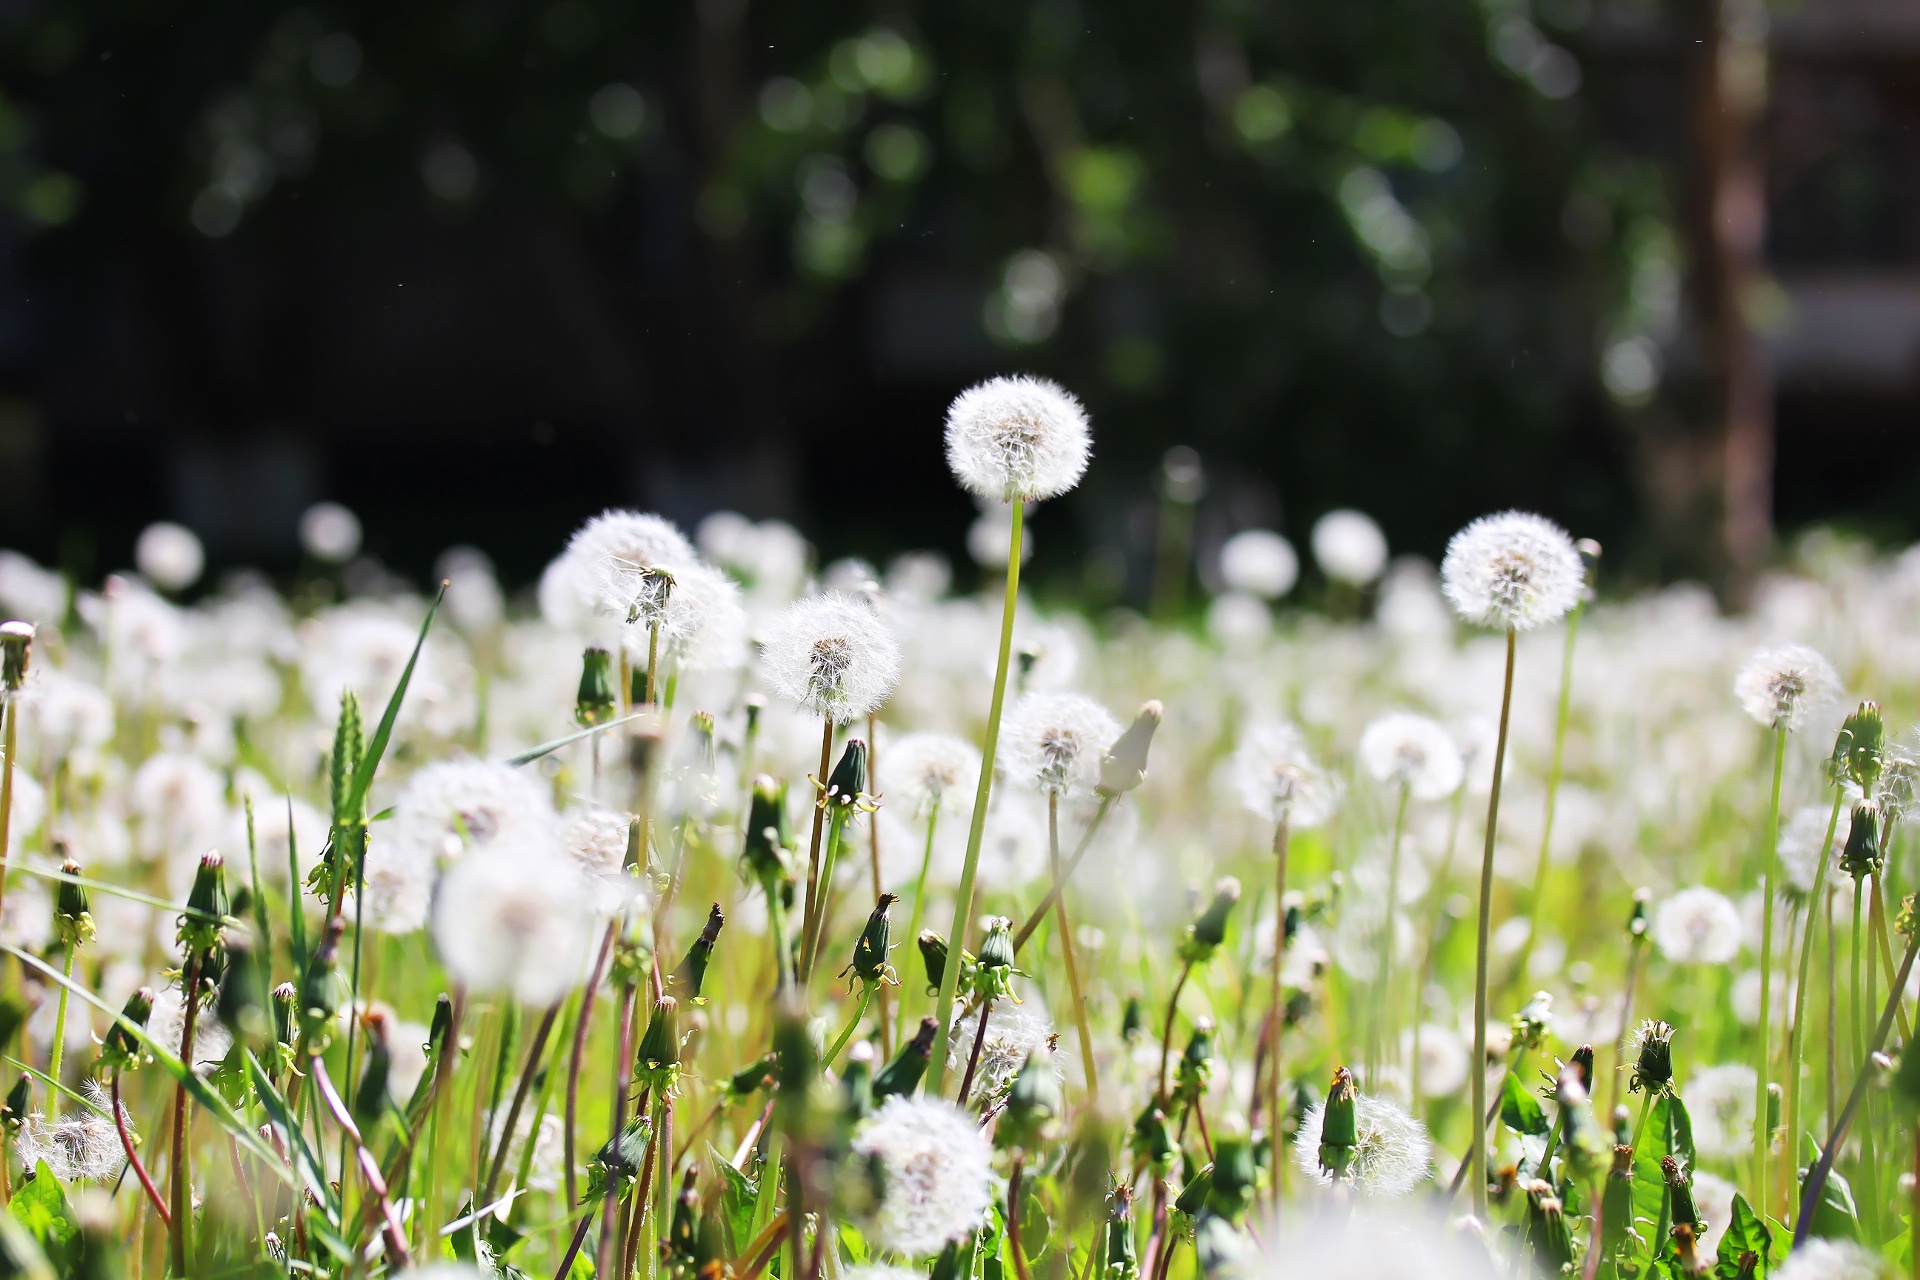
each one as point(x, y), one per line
point(477, 268)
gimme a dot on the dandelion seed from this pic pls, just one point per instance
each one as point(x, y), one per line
point(1017, 439)
point(1015, 1032)
point(1781, 687)
point(1052, 742)
point(168, 1024)
point(82, 1145)
point(833, 656)
point(1413, 751)
point(1512, 572)
point(1697, 926)
point(1391, 1157)
point(1720, 1100)
point(1349, 547)
point(932, 771)
point(936, 1174)
point(1277, 778)
point(513, 919)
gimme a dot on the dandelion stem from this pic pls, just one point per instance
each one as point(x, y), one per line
point(1275, 1006)
point(1060, 877)
point(177, 1222)
point(810, 949)
point(757, 1255)
point(1166, 1033)
point(808, 920)
point(1543, 861)
point(622, 1075)
point(1763, 1057)
point(973, 1057)
point(59, 1032)
point(883, 1022)
point(1477, 1071)
point(575, 1056)
point(1074, 987)
point(1382, 1021)
point(1877, 904)
point(1431, 913)
point(535, 1051)
point(919, 904)
point(133, 1157)
point(1796, 1046)
point(1020, 1269)
point(9, 747)
point(396, 1236)
point(976, 832)
point(846, 1032)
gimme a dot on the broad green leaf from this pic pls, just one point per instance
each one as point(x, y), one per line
point(1745, 1233)
point(548, 748)
point(737, 1195)
point(1649, 1184)
point(296, 914)
point(377, 746)
point(1520, 1111)
point(41, 1207)
point(1835, 1217)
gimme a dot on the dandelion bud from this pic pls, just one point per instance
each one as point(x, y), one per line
point(120, 1049)
point(692, 973)
point(1535, 1019)
point(751, 1078)
point(797, 1059)
point(1637, 920)
point(370, 1095)
point(1616, 1203)
point(1651, 1047)
point(1149, 1140)
point(659, 1056)
point(993, 975)
point(901, 1077)
point(617, 1163)
point(856, 1083)
point(323, 990)
point(1589, 559)
point(1205, 934)
point(933, 956)
point(1193, 1196)
point(1581, 1064)
point(240, 1006)
point(682, 1235)
point(14, 1113)
point(1859, 748)
point(16, 654)
point(286, 1002)
point(596, 701)
point(1861, 857)
point(1196, 1064)
point(848, 781)
point(1032, 1114)
point(1233, 1177)
point(1544, 1229)
point(199, 930)
point(764, 854)
point(1685, 1240)
point(1124, 766)
point(1338, 1130)
point(1121, 1261)
point(870, 951)
point(1133, 1019)
point(1679, 1191)
point(71, 918)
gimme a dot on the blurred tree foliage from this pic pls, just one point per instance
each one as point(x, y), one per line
point(1376, 254)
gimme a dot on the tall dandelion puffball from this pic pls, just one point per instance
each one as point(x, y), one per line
point(1780, 687)
point(932, 771)
point(1393, 1154)
point(169, 555)
point(1413, 751)
point(1512, 572)
point(1349, 547)
point(1260, 562)
point(1017, 439)
point(1720, 1101)
point(513, 919)
point(1830, 1260)
point(936, 1174)
point(1697, 926)
point(453, 804)
point(604, 569)
point(1053, 742)
point(1277, 779)
point(833, 656)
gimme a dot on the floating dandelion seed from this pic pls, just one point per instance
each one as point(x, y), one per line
point(936, 1171)
point(833, 656)
point(1512, 572)
point(1780, 687)
point(1017, 439)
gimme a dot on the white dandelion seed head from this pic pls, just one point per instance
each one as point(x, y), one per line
point(1277, 778)
point(937, 1174)
point(881, 1271)
point(1713, 1198)
point(513, 918)
point(1015, 1032)
point(604, 570)
point(1413, 751)
point(596, 839)
point(69, 713)
point(453, 805)
point(167, 1027)
point(1443, 1058)
point(169, 555)
point(1392, 1156)
point(1780, 687)
point(1697, 926)
point(705, 623)
point(330, 533)
point(1053, 742)
point(29, 591)
point(1831, 1260)
point(82, 1145)
point(1017, 439)
point(1512, 571)
point(1349, 546)
point(1800, 840)
point(1720, 1101)
point(932, 772)
point(1383, 1240)
point(397, 890)
point(832, 656)
point(1259, 562)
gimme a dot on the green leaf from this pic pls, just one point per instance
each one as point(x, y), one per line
point(296, 916)
point(41, 1207)
point(737, 1195)
point(501, 1236)
point(1649, 1183)
point(311, 1168)
point(1520, 1111)
point(363, 776)
point(1745, 1233)
point(548, 748)
point(51, 1083)
point(1835, 1217)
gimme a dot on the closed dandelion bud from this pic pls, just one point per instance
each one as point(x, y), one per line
point(1193, 1196)
point(1535, 1019)
point(120, 1049)
point(323, 990)
point(1032, 1113)
point(749, 1079)
point(1205, 934)
point(16, 654)
point(1546, 1229)
point(1637, 921)
point(199, 930)
point(1233, 1178)
point(1616, 1203)
point(1133, 1019)
point(1149, 1140)
point(870, 950)
point(1859, 748)
point(438, 1033)
point(1196, 1064)
point(847, 784)
point(286, 1005)
point(617, 1164)
point(240, 1006)
point(1122, 1263)
point(1651, 1047)
point(900, 1077)
point(692, 973)
point(764, 853)
point(659, 1055)
point(856, 1083)
point(71, 918)
point(1339, 1131)
point(19, 1098)
point(933, 957)
point(1679, 1191)
point(1685, 1248)
point(1581, 1063)
point(596, 700)
point(1124, 766)
point(993, 974)
point(798, 1061)
point(683, 1236)
point(370, 1095)
point(1861, 857)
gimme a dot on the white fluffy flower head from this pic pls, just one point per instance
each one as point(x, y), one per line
point(833, 656)
point(513, 919)
point(453, 804)
point(1697, 926)
point(1392, 1157)
point(1512, 571)
point(1779, 687)
point(1413, 751)
point(1017, 439)
point(1349, 546)
point(1277, 778)
point(1054, 741)
point(82, 1145)
point(932, 771)
point(1720, 1101)
point(1015, 1032)
point(1830, 1260)
point(1259, 561)
point(937, 1172)
point(606, 566)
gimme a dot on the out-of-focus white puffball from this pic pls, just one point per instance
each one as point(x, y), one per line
point(919, 575)
point(169, 555)
point(1349, 547)
point(29, 592)
point(990, 537)
point(1238, 620)
point(1260, 562)
point(474, 599)
point(330, 533)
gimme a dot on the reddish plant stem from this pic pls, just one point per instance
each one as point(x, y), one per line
point(133, 1157)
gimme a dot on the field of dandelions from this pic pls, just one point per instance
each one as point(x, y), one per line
point(667, 921)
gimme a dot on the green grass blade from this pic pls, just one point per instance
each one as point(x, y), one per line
point(363, 775)
point(281, 1117)
point(51, 1083)
point(548, 748)
point(296, 917)
point(117, 890)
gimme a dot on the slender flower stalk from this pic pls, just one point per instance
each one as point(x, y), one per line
point(1076, 990)
point(16, 649)
point(1763, 1053)
point(1483, 938)
point(1796, 1038)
